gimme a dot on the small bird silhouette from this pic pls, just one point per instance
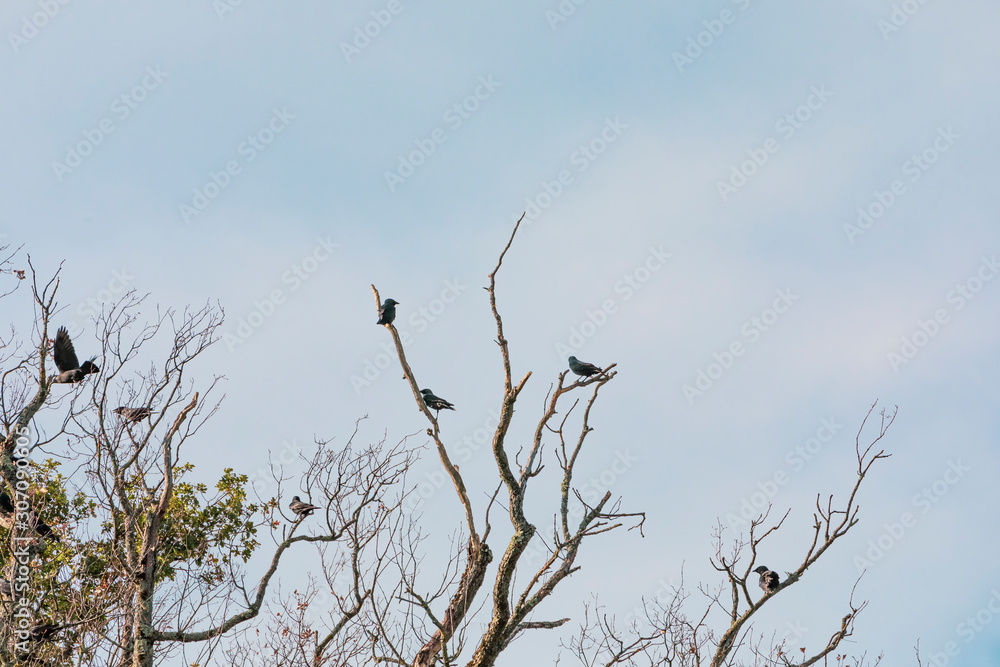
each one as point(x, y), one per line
point(300, 508)
point(387, 313)
point(435, 403)
point(768, 579)
point(70, 368)
point(133, 414)
point(582, 368)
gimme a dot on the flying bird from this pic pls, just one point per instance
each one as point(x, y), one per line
point(70, 368)
point(768, 579)
point(6, 506)
point(133, 414)
point(582, 368)
point(435, 403)
point(300, 508)
point(387, 313)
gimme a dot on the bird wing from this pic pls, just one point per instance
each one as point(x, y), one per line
point(63, 352)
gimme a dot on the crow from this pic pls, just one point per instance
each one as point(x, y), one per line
point(387, 313)
point(133, 414)
point(768, 579)
point(300, 508)
point(435, 403)
point(44, 631)
point(6, 506)
point(42, 528)
point(582, 368)
point(70, 368)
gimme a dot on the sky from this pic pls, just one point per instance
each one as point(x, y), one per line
point(769, 215)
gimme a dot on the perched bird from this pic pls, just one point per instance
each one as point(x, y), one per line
point(6, 590)
point(133, 414)
point(6, 506)
point(300, 508)
point(768, 579)
point(387, 313)
point(42, 528)
point(582, 368)
point(44, 631)
point(435, 403)
point(70, 368)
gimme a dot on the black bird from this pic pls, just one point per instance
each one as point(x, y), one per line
point(300, 508)
point(6, 506)
point(133, 414)
point(42, 528)
point(70, 368)
point(768, 579)
point(44, 631)
point(387, 313)
point(582, 368)
point(435, 403)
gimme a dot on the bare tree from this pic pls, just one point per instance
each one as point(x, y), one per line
point(439, 625)
point(153, 562)
point(719, 631)
point(116, 554)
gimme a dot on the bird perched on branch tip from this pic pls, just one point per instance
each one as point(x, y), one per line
point(387, 313)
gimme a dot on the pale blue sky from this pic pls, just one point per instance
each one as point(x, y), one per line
point(553, 90)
